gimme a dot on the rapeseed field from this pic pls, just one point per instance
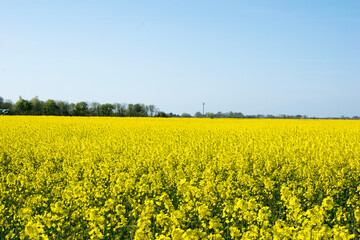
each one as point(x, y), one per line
point(149, 178)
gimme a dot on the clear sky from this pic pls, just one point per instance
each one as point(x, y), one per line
point(254, 57)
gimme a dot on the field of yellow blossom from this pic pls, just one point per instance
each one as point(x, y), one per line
point(150, 178)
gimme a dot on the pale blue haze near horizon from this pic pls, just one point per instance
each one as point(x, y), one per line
point(254, 57)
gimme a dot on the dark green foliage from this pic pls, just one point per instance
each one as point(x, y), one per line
point(23, 106)
point(161, 114)
point(62, 108)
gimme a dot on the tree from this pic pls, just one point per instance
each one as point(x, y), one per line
point(23, 106)
point(130, 110)
point(37, 106)
point(186, 115)
point(64, 108)
point(161, 114)
point(198, 115)
point(81, 109)
point(140, 110)
point(219, 115)
point(120, 109)
point(95, 109)
point(210, 115)
point(152, 109)
point(51, 108)
point(72, 109)
point(107, 109)
point(173, 115)
point(238, 115)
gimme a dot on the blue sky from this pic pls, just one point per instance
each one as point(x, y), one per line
point(266, 57)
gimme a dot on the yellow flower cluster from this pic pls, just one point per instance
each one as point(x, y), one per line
point(148, 178)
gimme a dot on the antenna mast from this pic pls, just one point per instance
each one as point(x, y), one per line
point(203, 109)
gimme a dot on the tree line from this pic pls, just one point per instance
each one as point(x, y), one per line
point(269, 116)
point(35, 106)
point(232, 114)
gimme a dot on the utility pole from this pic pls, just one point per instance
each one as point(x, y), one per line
point(203, 109)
